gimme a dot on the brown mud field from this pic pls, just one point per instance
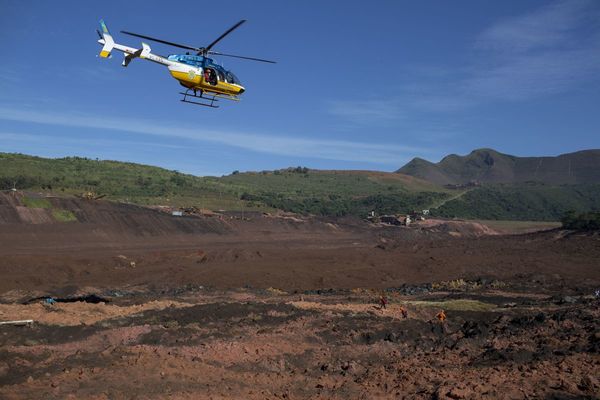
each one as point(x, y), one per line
point(152, 306)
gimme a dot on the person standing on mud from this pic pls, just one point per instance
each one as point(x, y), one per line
point(383, 301)
point(404, 312)
point(441, 316)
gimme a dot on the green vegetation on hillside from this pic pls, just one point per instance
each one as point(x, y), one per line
point(332, 193)
point(337, 205)
point(121, 181)
point(33, 202)
point(581, 222)
point(529, 201)
point(295, 189)
point(63, 215)
point(58, 214)
point(335, 193)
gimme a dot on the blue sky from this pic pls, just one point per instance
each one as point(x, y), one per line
point(357, 85)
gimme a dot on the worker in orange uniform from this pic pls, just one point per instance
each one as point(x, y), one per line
point(404, 312)
point(441, 316)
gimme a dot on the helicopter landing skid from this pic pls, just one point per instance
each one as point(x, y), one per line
point(209, 103)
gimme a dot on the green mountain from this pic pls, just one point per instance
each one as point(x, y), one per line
point(293, 189)
point(490, 166)
point(329, 193)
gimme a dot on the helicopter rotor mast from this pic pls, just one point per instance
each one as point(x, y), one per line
point(206, 50)
point(203, 51)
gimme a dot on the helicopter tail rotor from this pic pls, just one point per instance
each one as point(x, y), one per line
point(106, 40)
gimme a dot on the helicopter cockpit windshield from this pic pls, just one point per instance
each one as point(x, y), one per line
point(231, 78)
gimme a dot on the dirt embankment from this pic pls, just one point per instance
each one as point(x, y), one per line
point(29, 221)
point(111, 245)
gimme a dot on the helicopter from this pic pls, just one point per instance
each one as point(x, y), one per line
point(205, 81)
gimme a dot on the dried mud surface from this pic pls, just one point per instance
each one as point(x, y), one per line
point(262, 306)
point(336, 345)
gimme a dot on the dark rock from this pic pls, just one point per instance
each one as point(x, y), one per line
point(472, 328)
point(588, 384)
point(391, 337)
point(540, 317)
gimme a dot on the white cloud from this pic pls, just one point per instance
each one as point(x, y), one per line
point(532, 75)
point(46, 139)
point(548, 51)
point(547, 27)
point(366, 111)
point(377, 153)
point(544, 52)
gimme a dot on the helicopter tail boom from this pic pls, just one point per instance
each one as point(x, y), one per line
point(109, 43)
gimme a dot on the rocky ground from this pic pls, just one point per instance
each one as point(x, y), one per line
point(337, 344)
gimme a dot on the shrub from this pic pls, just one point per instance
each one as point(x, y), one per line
point(36, 203)
point(581, 222)
point(63, 215)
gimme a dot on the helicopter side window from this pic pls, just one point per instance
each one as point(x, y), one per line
point(221, 76)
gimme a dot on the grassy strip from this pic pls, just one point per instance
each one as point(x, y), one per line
point(455, 305)
point(519, 226)
point(63, 215)
point(36, 203)
point(58, 214)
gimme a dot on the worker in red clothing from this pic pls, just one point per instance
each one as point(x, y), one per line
point(383, 301)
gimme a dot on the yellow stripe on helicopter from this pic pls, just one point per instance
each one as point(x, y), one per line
point(193, 80)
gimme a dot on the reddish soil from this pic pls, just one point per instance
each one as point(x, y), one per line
point(256, 345)
point(285, 307)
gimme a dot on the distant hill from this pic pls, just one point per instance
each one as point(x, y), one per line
point(328, 193)
point(292, 189)
point(490, 166)
point(123, 181)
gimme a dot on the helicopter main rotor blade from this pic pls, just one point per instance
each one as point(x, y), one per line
point(245, 58)
point(227, 32)
point(182, 46)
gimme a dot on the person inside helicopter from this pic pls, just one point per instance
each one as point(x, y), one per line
point(210, 76)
